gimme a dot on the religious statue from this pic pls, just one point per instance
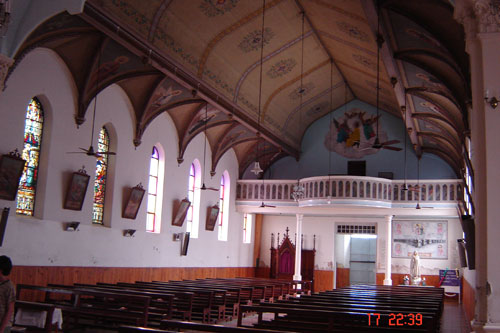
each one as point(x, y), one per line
point(415, 269)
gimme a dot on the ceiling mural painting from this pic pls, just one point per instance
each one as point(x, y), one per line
point(175, 56)
point(354, 135)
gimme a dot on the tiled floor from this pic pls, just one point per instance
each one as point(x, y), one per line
point(454, 319)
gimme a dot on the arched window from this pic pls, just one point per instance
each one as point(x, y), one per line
point(223, 206)
point(31, 154)
point(101, 173)
point(193, 214)
point(155, 191)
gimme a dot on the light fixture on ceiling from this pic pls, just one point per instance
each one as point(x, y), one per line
point(256, 167)
point(330, 137)
point(380, 41)
point(405, 187)
point(493, 101)
point(298, 191)
point(203, 186)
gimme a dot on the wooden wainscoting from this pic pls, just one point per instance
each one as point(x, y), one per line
point(343, 277)
point(323, 280)
point(468, 299)
point(398, 279)
point(43, 275)
point(263, 272)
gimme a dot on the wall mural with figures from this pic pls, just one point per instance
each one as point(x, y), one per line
point(428, 238)
point(353, 134)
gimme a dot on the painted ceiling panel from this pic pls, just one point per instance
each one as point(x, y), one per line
point(410, 35)
point(211, 50)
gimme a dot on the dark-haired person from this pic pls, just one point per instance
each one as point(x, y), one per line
point(7, 295)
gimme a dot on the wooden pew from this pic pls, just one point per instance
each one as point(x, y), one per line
point(90, 308)
point(182, 302)
point(359, 308)
point(304, 320)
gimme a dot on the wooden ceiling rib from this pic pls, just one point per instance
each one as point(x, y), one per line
point(175, 56)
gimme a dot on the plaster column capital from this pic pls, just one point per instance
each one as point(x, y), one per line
point(488, 15)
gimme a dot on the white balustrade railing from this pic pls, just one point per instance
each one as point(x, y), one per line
point(351, 187)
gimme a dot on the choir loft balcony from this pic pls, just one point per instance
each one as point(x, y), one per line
point(352, 191)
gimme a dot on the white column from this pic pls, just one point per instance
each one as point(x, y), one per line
point(388, 249)
point(482, 28)
point(298, 249)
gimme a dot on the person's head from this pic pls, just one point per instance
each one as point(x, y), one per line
point(5, 265)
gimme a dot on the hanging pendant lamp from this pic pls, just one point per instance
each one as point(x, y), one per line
point(256, 167)
point(298, 192)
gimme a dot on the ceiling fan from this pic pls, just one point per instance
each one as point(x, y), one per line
point(203, 186)
point(257, 167)
point(382, 145)
point(91, 151)
point(376, 143)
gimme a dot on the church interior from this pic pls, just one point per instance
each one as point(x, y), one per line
point(332, 144)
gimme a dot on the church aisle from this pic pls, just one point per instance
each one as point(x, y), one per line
point(454, 319)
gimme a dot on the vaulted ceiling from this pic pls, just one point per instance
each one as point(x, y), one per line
point(199, 61)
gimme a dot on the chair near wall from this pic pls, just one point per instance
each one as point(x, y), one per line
point(283, 259)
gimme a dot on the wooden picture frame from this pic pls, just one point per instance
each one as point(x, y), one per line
point(181, 213)
point(212, 214)
point(11, 170)
point(134, 202)
point(76, 190)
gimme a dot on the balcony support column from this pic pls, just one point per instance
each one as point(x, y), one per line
point(388, 254)
point(298, 249)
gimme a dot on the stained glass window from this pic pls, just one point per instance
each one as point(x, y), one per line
point(101, 172)
point(153, 190)
point(31, 154)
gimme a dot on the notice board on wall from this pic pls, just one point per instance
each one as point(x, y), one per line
point(428, 238)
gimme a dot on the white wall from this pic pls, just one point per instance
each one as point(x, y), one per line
point(40, 240)
point(326, 243)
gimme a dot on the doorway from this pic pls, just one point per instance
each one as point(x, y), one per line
point(362, 259)
point(355, 259)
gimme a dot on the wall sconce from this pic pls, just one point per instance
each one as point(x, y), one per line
point(176, 237)
point(493, 101)
point(71, 226)
point(128, 232)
